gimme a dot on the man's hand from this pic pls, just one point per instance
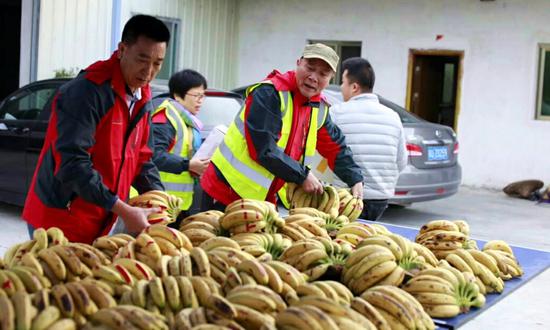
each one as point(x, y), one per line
point(312, 185)
point(357, 190)
point(198, 166)
point(135, 218)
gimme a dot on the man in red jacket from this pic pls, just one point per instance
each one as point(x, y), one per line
point(284, 120)
point(98, 142)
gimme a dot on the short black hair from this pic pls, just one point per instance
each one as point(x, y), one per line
point(359, 71)
point(182, 81)
point(147, 26)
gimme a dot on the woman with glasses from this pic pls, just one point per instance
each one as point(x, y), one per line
point(176, 129)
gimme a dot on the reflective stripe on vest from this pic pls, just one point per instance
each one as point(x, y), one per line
point(181, 184)
point(246, 176)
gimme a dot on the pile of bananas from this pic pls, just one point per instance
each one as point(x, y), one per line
point(331, 224)
point(301, 226)
point(314, 257)
point(42, 239)
point(395, 308)
point(251, 216)
point(202, 226)
point(442, 237)
point(18, 312)
point(464, 261)
point(444, 291)
point(263, 246)
point(109, 245)
point(169, 205)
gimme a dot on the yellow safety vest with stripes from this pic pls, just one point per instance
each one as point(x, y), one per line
point(181, 184)
point(247, 177)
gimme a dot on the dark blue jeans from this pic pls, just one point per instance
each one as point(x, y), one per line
point(373, 208)
point(30, 228)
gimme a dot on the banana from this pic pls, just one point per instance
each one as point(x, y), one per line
point(364, 308)
point(328, 290)
point(218, 241)
point(363, 252)
point(392, 303)
point(439, 225)
point(498, 245)
point(24, 311)
point(201, 288)
point(252, 319)
point(366, 264)
point(46, 318)
point(386, 242)
point(84, 303)
point(310, 257)
point(262, 304)
point(326, 305)
point(148, 246)
point(139, 293)
point(240, 217)
point(167, 247)
point(12, 281)
point(41, 299)
point(136, 268)
point(198, 235)
point(108, 274)
point(201, 261)
point(71, 260)
point(40, 236)
point(297, 318)
point(395, 278)
point(251, 227)
point(429, 283)
point(444, 311)
point(309, 289)
point(101, 297)
point(288, 273)
point(275, 282)
point(29, 279)
point(428, 255)
point(486, 260)
point(63, 299)
point(8, 316)
point(259, 291)
point(141, 318)
point(157, 292)
point(55, 263)
point(187, 292)
point(463, 226)
point(56, 236)
point(175, 237)
point(301, 247)
point(172, 291)
point(112, 319)
point(456, 261)
point(372, 276)
point(125, 273)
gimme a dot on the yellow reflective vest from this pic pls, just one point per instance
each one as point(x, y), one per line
point(180, 184)
point(247, 177)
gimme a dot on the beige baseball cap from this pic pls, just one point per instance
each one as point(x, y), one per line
point(322, 52)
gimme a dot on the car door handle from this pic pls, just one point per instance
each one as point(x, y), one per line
point(20, 130)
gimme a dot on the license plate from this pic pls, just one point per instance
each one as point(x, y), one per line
point(437, 153)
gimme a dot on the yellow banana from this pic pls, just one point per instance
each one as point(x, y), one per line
point(157, 292)
point(297, 318)
point(372, 276)
point(112, 319)
point(81, 298)
point(252, 319)
point(439, 225)
point(54, 261)
point(29, 279)
point(8, 316)
point(46, 318)
point(172, 291)
point(24, 311)
point(101, 297)
point(450, 310)
point(218, 241)
point(63, 299)
point(137, 268)
point(384, 241)
point(498, 245)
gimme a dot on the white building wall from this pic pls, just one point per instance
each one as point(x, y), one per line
point(72, 34)
point(500, 140)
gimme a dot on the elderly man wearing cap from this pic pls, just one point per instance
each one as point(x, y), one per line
point(283, 121)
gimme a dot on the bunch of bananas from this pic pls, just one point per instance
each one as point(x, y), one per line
point(219, 314)
point(445, 291)
point(170, 241)
point(371, 265)
point(168, 295)
point(110, 245)
point(169, 205)
point(355, 232)
point(503, 255)
point(18, 312)
point(441, 237)
point(398, 308)
point(315, 312)
point(327, 202)
point(251, 216)
point(42, 239)
point(263, 245)
point(202, 226)
point(315, 257)
point(332, 290)
point(331, 224)
point(350, 206)
point(300, 226)
point(22, 278)
point(464, 261)
point(257, 297)
point(126, 317)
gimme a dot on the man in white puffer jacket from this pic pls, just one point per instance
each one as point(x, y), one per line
point(373, 132)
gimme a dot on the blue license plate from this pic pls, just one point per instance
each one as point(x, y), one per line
point(437, 153)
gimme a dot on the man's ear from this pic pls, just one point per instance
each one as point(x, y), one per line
point(121, 49)
point(356, 88)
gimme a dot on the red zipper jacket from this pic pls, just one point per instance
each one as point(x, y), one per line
point(92, 153)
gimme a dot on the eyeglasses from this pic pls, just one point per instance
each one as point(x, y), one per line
point(197, 96)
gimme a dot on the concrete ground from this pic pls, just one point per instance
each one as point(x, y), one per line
point(491, 215)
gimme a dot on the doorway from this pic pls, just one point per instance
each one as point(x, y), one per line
point(433, 91)
point(10, 39)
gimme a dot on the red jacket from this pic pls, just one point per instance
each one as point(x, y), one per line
point(92, 153)
point(263, 122)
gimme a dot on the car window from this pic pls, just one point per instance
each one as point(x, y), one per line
point(27, 104)
point(406, 117)
point(219, 110)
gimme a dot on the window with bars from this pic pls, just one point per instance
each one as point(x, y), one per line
point(170, 60)
point(344, 49)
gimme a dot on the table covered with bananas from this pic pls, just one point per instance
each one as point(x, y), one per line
point(248, 267)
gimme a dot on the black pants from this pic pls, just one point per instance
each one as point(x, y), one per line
point(373, 208)
point(208, 203)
